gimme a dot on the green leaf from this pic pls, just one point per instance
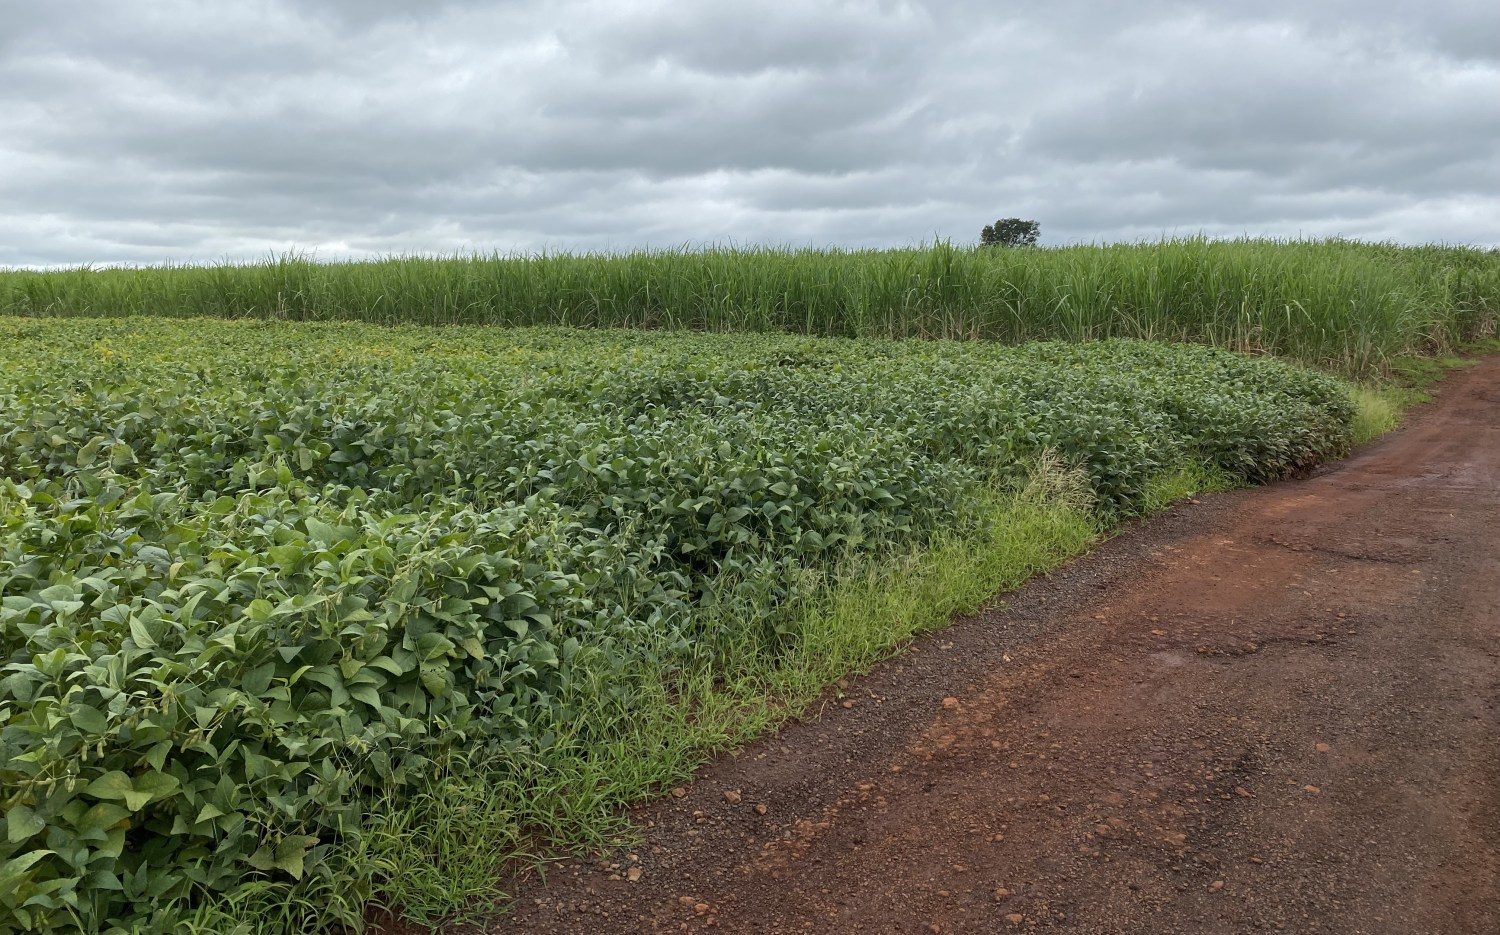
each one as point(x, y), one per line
point(51, 664)
point(112, 785)
point(116, 785)
point(387, 664)
point(89, 452)
point(291, 853)
point(114, 843)
point(257, 680)
point(321, 533)
point(156, 785)
point(21, 823)
point(435, 680)
point(367, 694)
point(157, 757)
point(263, 859)
point(99, 819)
point(13, 870)
point(140, 634)
point(89, 720)
point(285, 555)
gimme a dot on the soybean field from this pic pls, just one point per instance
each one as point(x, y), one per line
point(305, 620)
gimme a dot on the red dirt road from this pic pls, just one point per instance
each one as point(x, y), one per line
point(1276, 709)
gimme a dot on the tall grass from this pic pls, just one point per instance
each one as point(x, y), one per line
point(1343, 304)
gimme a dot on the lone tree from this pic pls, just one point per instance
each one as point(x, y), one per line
point(1010, 232)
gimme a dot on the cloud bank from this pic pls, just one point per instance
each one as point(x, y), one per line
point(169, 130)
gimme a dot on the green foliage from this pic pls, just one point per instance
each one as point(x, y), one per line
point(1377, 410)
point(259, 576)
point(1350, 306)
point(1010, 232)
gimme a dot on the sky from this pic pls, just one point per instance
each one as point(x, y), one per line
point(168, 131)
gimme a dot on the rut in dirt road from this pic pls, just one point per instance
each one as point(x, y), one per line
point(1277, 709)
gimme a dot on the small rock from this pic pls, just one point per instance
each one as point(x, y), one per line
point(760, 809)
point(1001, 893)
point(950, 702)
point(1015, 918)
point(1243, 793)
point(1216, 885)
point(700, 908)
point(633, 874)
point(731, 796)
point(848, 704)
point(686, 900)
point(1314, 790)
point(1322, 748)
point(678, 792)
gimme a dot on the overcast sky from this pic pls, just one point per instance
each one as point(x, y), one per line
point(147, 130)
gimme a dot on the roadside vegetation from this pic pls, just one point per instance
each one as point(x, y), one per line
point(1347, 306)
point(1381, 403)
point(304, 618)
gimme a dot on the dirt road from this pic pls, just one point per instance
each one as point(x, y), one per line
point(1277, 709)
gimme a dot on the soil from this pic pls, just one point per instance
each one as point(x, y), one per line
point(1273, 709)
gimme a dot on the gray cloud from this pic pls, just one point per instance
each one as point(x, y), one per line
point(177, 130)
